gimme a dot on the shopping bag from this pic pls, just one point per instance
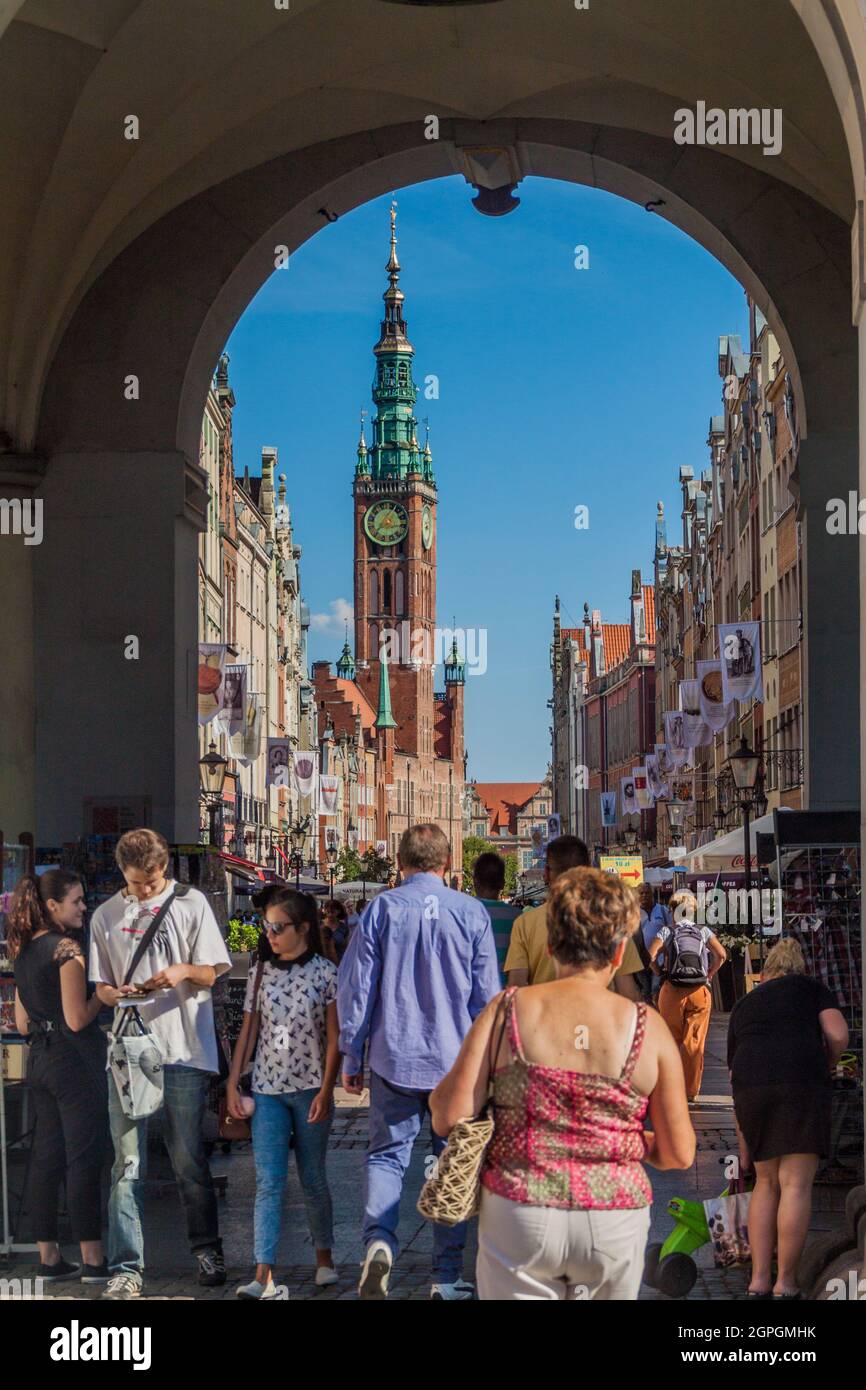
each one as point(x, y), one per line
point(136, 1065)
point(727, 1222)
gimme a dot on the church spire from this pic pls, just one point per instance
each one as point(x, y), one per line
point(394, 451)
point(385, 717)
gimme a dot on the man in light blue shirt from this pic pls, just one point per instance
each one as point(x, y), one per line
point(419, 968)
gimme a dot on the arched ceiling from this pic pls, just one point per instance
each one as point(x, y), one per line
point(220, 87)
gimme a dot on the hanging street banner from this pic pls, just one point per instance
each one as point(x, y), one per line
point(715, 712)
point(382, 849)
point(628, 796)
point(655, 781)
point(608, 808)
point(641, 789)
point(277, 774)
point(554, 827)
point(683, 786)
point(211, 672)
point(696, 733)
point(740, 648)
point(246, 745)
point(675, 737)
point(628, 867)
point(329, 786)
point(233, 712)
point(304, 766)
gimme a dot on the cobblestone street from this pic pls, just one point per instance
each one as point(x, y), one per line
point(170, 1275)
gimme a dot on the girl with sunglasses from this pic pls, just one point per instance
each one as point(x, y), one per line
point(290, 1017)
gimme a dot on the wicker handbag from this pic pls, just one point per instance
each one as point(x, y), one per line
point(453, 1193)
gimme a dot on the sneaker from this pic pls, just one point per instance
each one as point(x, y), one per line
point(326, 1274)
point(376, 1271)
point(211, 1268)
point(460, 1289)
point(95, 1274)
point(61, 1270)
point(255, 1289)
point(122, 1287)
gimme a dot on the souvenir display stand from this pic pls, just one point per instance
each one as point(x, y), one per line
point(818, 872)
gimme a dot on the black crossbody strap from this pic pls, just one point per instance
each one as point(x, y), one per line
point(179, 891)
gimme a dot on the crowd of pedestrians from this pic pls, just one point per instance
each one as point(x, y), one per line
point(583, 1021)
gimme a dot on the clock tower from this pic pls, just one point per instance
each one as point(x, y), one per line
point(395, 536)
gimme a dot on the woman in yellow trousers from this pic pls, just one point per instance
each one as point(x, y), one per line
point(689, 958)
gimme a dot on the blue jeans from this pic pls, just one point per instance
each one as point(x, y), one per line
point(396, 1116)
point(275, 1120)
point(182, 1113)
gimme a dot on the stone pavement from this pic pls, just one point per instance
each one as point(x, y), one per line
point(170, 1274)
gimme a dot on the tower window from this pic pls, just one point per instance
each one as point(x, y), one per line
point(374, 591)
point(399, 597)
point(386, 592)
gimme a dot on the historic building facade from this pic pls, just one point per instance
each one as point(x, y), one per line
point(739, 557)
point(417, 732)
point(603, 708)
point(250, 600)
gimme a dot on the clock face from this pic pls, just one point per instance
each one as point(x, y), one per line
point(386, 523)
point(427, 528)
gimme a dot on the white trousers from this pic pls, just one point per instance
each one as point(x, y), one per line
point(528, 1253)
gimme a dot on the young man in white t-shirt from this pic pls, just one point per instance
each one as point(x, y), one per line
point(179, 968)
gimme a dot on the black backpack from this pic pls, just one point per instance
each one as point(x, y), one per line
point(686, 957)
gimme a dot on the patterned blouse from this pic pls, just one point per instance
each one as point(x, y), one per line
point(564, 1138)
point(292, 1042)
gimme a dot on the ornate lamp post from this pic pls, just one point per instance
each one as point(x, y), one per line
point(212, 770)
point(629, 836)
point(676, 817)
point(297, 835)
point(332, 852)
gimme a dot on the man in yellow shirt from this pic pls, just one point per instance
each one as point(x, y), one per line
point(528, 961)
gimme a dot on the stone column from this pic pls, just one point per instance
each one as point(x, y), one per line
point(19, 479)
point(831, 623)
point(118, 567)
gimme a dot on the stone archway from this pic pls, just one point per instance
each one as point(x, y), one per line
point(122, 490)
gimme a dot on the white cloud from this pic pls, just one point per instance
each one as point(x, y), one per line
point(335, 621)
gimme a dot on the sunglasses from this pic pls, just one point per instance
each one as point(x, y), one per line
point(274, 928)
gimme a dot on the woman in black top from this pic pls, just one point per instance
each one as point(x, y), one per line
point(783, 1041)
point(66, 1069)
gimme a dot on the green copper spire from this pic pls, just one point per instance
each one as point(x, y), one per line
point(385, 718)
point(346, 664)
point(394, 452)
point(455, 669)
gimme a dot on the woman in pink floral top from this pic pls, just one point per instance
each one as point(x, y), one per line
point(565, 1195)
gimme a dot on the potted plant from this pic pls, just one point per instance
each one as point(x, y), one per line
point(242, 940)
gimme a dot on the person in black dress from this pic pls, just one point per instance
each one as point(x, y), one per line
point(783, 1041)
point(66, 1069)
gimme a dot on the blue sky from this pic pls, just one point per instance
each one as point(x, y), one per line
point(558, 387)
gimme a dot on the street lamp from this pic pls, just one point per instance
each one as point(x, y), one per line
point(212, 770)
point(332, 853)
point(720, 817)
point(297, 835)
point(744, 765)
point(629, 836)
point(676, 817)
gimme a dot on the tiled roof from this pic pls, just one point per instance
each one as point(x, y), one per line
point(649, 608)
point(617, 643)
point(576, 634)
point(358, 700)
point(504, 799)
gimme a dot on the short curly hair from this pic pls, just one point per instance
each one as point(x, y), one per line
point(588, 914)
point(142, 849)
